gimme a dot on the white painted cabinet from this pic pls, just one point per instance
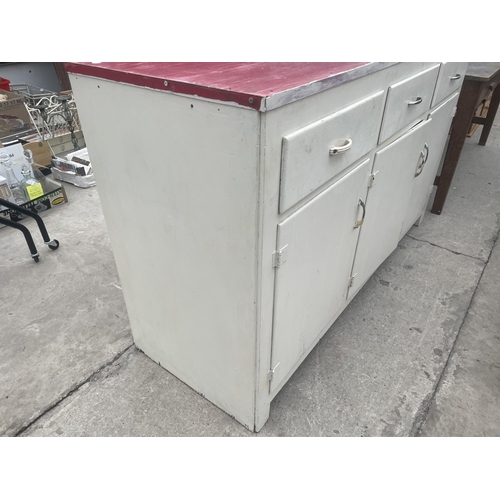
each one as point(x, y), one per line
point(248, 203)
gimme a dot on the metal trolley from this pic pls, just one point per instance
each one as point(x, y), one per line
point(51, 243)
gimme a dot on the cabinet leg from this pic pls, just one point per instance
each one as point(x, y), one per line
point(262, 415)
point(420, 219)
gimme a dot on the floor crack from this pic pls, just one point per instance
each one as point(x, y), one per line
point(444, 248)
point(423, 411)
point(72, 391)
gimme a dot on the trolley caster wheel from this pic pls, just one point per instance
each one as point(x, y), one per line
point(54, 245)
point(36, 259)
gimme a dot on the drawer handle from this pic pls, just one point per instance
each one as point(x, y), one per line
point(456, 77)
point(341, 149)
point(359, 223)
point(423, 156)
point(418, 100)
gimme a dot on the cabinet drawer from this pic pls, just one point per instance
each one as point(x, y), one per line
point(451, 77)
point(407, 100)
point(62, 144)
point(318, 152)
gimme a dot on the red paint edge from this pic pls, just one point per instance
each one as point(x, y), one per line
point(247, 100)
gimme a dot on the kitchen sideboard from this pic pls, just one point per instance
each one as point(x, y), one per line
point(248, 203)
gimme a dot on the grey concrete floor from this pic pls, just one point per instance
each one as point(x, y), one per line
point(417, 353)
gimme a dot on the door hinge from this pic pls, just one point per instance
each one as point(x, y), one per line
point(279, 257)
point(371, 179)
point(351, 281)
point(271, 372)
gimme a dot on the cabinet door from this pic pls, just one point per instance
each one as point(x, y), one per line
point(394, 169)
point(317, 244)
point(435, 141)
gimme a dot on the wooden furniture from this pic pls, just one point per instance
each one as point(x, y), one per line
point(62, 75)
point(481, 79)
point(248, 203)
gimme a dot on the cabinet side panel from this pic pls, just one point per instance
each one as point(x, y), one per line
point(178, 180)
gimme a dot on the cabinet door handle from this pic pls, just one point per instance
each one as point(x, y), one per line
point(418, 100)
point(341, 149)
point(423, 156)
point(456, 77)
point(359, 223)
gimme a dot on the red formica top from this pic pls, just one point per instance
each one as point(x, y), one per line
point(260, 86)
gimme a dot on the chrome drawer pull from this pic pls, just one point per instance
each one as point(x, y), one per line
point(341, 149)
point(423, 157)
point(418, 100)
point(426, 148)
point(359, 223)
point(456, 77)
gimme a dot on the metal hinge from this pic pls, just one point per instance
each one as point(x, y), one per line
point(279, 257)
point(371, 179)
point(351, 281)
point(270, 373)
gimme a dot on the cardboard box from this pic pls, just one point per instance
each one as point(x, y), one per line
point(42, 155)
point(70, 170)
point(69, 166)
point(83, 181)
point(54, 194)
point(14, 116)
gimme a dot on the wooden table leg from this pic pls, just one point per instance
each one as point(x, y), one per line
point(492, 111)
point(466, 107)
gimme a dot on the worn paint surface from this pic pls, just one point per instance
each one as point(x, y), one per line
point(247, 84)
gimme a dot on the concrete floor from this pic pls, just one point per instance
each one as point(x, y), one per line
point(417, 353)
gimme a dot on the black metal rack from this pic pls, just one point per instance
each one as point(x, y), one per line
point(51, 243)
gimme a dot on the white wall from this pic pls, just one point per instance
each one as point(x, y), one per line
point(40, 74)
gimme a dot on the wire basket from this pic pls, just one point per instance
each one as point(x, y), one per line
point(50, 115)
point(35, 96)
